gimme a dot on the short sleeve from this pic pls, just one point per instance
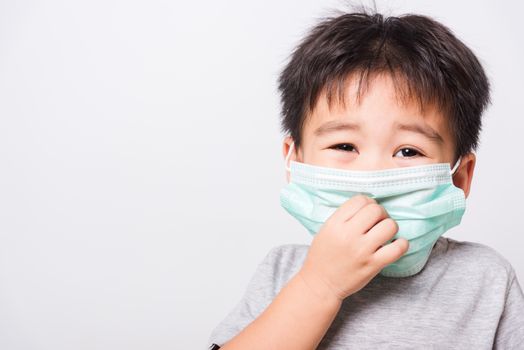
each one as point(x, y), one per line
point(259, 293)
point(510, 330)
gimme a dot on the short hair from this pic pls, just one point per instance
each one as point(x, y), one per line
point(431, 64)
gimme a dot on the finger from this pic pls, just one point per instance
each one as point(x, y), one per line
point(382, 232)
point(350, 207)
point(366, 218)
point(391, 252)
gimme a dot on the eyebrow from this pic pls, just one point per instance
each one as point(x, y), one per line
point(336, 126)
point(424, 130)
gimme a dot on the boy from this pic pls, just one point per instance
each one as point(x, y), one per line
point(379, 111)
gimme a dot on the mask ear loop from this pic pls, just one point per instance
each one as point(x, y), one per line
point(455, 167)
point(289, 155)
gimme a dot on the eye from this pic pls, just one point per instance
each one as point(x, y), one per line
point(346, 147)
point(408, 153)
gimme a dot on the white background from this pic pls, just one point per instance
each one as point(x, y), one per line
point(140, 160)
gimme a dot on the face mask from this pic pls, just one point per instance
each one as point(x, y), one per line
point(421, 199)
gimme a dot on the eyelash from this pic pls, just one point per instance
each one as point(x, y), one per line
point(341, 144)
point(418, 153)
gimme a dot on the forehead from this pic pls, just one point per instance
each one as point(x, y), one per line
point(378, 101)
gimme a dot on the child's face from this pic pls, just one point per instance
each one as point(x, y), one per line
point(380, 132)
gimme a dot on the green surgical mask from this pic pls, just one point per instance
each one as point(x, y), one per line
point(421, 199)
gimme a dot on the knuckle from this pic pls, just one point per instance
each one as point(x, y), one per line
point(373, 263)
point(372, 200)
point(329, 225)
point(335, 226)
point(376, 209)
point(363, 258)
point(391, 224)
point(360, 199)
point(399, 248)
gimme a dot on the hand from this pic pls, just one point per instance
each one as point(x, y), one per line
point(348, 251)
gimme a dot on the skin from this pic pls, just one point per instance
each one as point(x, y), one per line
point(349, 249)
point(378, 142)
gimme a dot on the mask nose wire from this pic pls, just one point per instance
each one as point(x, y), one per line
point(455, 167)
point(289, 155)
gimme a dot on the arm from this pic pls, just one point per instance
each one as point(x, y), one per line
point(344, 256)
point(298, 318)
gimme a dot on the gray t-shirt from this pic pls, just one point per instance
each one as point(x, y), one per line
point(466, 297)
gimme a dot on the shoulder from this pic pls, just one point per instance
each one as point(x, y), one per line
point(289, 254)
point(477, 258)
point(273, 271)
point(280, 264)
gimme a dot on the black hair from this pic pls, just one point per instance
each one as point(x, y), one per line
point(431, 64)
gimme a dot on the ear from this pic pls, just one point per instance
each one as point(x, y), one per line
point(464, 174)
point(285, 149)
